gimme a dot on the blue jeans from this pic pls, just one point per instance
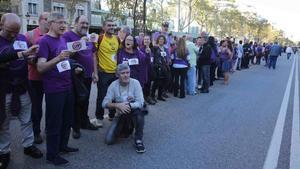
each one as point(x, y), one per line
point(191, 81)
point(272, 61)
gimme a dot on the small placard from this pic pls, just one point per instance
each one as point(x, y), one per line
point(76, 46)
point(20, 45)
point(134, 61)
point(93, 37)
point(63, 66)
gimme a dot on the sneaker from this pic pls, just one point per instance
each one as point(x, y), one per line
point(97, 122)
point(4, 160)
point(38, 139)
point(58, 160)
point(76, 134)
point(33, 152)
point(199, 87)
point(139, 146)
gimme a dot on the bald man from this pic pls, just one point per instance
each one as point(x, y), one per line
point(14, 82)
point(35, 79)
point(85, 58)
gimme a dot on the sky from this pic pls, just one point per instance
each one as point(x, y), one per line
point(283, 14)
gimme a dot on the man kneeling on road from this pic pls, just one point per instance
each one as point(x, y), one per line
point(126, 96)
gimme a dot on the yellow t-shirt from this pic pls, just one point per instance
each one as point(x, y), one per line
point(107, 59)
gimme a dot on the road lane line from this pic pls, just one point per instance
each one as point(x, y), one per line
point(295, 140)
point(274, 148)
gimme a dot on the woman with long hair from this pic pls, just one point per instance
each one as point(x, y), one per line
point(226, 56)
point(180, 65)
point(160, 67)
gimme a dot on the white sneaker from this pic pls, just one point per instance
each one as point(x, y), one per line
point(97, 122)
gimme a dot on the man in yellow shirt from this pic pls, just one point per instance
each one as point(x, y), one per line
point(105, 63)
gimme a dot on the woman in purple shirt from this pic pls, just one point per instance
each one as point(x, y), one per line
point(146, 49)
point(136, 60)
point(225, 55)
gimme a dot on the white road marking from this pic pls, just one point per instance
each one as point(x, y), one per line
point(274, 148)
point(295, 138)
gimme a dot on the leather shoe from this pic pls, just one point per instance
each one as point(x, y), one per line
point(33, 152)
point(90, 126)
point(68, 150)
point(76, 134)
point(161, 99)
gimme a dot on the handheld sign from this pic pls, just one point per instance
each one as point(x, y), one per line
point(76, 46)
point(93, 37)
point(20, 45)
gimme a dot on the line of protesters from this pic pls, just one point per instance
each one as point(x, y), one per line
point(130, 73)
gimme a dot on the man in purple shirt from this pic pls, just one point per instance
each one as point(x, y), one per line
point(14, 89)
point(85, 58)
point(53, 64)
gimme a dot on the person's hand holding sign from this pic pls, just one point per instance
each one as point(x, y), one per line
point(29, 53)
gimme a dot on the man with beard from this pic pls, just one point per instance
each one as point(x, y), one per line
point(105, 63)
point(53, 63)
point(85, 58)
point(14, 97)
point(35, 80)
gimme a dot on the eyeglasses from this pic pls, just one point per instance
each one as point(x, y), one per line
point(111, 25)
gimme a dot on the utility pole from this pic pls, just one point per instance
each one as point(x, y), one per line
point(178, 5)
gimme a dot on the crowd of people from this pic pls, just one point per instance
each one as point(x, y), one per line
point(130, 71)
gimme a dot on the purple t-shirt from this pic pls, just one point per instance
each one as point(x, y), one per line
point(84, 57)
point(53, 80)
point(136, 62)
point(13, 70)
point(168, 38)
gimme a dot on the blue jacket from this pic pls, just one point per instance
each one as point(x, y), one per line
point(275, 50)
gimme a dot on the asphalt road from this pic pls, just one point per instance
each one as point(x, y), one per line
point(230, 128)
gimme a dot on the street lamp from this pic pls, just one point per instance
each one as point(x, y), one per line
point(28, 18)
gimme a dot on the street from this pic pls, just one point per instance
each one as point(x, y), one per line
point(248, 124)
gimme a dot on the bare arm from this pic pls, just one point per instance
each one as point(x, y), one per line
point(95, 73)
point(43, 65)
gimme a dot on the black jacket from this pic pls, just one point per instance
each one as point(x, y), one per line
point(204, 55)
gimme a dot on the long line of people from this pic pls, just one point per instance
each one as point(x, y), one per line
point(130, 72)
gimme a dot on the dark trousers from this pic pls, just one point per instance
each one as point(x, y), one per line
point(116, 127)
point(36, 92)
point(272, 61)
point(180, 73)
point(158, 84)
point(212, 72)
point(147, 88)
point(81, 118)
point(59, 112)
point(205, 75)
point(199, 73)
point(105, 79)
point(245, 61)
